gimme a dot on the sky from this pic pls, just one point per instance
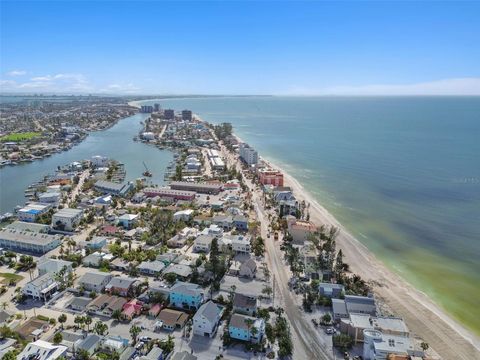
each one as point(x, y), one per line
point(248, 47)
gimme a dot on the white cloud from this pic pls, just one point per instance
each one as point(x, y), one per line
point(120, 88)
point(16, 73)
point(458, 86)
point(63, 82)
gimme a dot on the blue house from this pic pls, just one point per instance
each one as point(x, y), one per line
point(240, 328)
point(240, 222)
point(186, 296)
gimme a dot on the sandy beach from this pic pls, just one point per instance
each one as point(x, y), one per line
point(424, 318)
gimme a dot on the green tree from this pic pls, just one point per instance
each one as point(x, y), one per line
point(134, 331)
point(87, 320)
point(117, 315)
point(424, 346)
point(57, 338)
point(100, 328)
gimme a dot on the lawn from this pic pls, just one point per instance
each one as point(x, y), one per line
point(20, 136)
point(9, 276)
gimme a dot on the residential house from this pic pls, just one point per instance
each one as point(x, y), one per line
point(79, 304)
point(90, 344)
point(32, 211)
point(183, 355)
point(128, 221)
point(203, 243)
point(240, 222)
point(54, 266)
point(96, 243)
point(152, 268)
point(41, 288)
point(183, 215)
point(248, 269)
point(353, 304)
point(241, 327)
point(155, 310)
point(240, 244)
point(357, 323)
point(93, 260)
point(186, 295)
point(244, 304)
point(122, 286)
point(172, 319)
point(114, 344)
point(182, 271)
point(207, 319)
point(131, 309)
point(42, 350)
point(331, 290)
point(154, 354)
point(94, 281)
point(301, 231)
point(223, 221)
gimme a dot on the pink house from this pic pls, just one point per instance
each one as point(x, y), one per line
point(154, 310)
point(131, 309)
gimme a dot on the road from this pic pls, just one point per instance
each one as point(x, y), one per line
point(307, 342)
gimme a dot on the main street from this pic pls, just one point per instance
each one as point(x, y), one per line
point(306, 339)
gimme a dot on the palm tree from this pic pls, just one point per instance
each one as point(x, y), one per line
point(87, 320)
point(134, 331)
point(78, 320)
point(117, 315)
point(62, 319)
point(100, 328)
point(4, 305)
point(424, 346)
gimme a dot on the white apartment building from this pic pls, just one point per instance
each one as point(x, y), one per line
point(31, 212)
point(248, 154)
point(41, 288)
point(28, 241)
point(67, 219)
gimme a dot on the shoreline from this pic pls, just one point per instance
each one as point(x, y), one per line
point(446, 336)
point(425, 318)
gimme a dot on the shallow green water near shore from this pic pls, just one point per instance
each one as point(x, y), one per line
point(402, 174)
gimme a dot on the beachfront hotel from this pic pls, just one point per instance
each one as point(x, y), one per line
point(248, 154)
point(270, 177)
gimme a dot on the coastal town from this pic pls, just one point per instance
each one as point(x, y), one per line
point(221, 261)
point(39, 126)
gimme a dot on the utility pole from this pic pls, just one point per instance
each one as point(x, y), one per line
point(273, 300)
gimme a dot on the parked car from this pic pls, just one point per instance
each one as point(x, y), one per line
point(330, 331)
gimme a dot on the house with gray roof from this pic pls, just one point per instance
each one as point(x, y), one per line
point(94, 281)
point(244, 304)
point(330, 290)
point(90, 343)
point(121, 285)
point(207, 318)
point(79, 303)
point(151, 268)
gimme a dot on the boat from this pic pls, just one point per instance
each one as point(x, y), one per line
point(146, 172)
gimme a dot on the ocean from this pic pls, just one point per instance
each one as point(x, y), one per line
point(402, 174)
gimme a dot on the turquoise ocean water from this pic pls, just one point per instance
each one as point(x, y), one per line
point(401, 173)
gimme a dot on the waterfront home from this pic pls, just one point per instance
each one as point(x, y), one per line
point(288, 207)
point(378, 346)
point(122, 286)
point(27, 241)
point(108, 187)
point(207, 319)
point(32, 211)
point(356, 323)
point(300, 230)
point(67, 219)
point(152, 268)
point(172, 319)
point(245, 304)
point(241, 327)
point(240, 222)
point(128, 221)
point(50, 197)
point(330, 290)
point(42, 350)
point(203, 243)
point(54, 266)
point(41, 288)
point(248, 269)
point(353, 304)
point(186, 295)
point(94, 281)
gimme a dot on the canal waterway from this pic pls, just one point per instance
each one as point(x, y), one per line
point(116, 143)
